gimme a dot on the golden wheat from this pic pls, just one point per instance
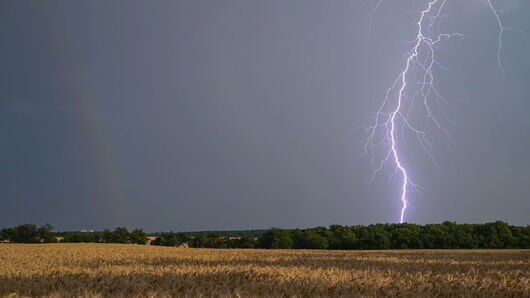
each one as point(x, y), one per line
point(131, 270)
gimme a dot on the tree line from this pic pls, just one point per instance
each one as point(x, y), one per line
point(226, 233)
point(28, 234)
point(44, 234)
point(448, 235)
point(211, 240)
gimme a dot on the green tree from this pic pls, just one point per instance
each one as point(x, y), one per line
point(201, 241)
point(159, 241)
point(341, 237)
point(138, 236)
point(107, 236)
point(407, 236)
point(276, 238)
point(380, 238)
point(183, 238)
point(314, 240)
point(172, 240)
point(46, 234)
point(23, 234)
point(79, 237)
point(120, 235)
point(298, 239)
point(216, 241)
point(245, 242)
point(7, 234)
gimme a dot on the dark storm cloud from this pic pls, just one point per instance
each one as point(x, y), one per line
point(186, 115)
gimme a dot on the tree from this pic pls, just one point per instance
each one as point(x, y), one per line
point(245, 242)
point(200, 241)
point(505, 234)
point(138, 236)
point(183, 238)
point(159, 241)
point(437, 236)
point(341, 238)
point(120, 235)
point(107, 236)
point(79, 237)
point(216, 241)
point(407, 236)
point(172, 240)
point(46, 234)
point(313, 240)
point(298, 239)
point(5, 234)
point(276, 238)
point(23, 234)
point(380, 239)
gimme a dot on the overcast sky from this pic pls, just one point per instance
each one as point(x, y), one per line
point(241, 114)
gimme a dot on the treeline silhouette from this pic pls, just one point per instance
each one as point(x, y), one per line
point(448, 235)
point(227, 233)
point(28, 234)
point(212, 240)
point(44, 234)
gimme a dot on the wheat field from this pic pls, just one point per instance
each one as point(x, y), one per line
point(132, 270)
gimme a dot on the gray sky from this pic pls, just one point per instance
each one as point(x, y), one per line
point(190, 115)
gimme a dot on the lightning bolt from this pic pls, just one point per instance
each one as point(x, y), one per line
point(416, 81)
point(502, 29)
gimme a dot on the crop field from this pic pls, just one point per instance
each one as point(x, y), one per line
point(131, 270)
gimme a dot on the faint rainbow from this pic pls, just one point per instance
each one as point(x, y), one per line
point(94, 127)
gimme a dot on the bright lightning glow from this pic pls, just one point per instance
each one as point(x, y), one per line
point(416, 80)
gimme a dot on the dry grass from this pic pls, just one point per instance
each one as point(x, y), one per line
point(130, 270)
